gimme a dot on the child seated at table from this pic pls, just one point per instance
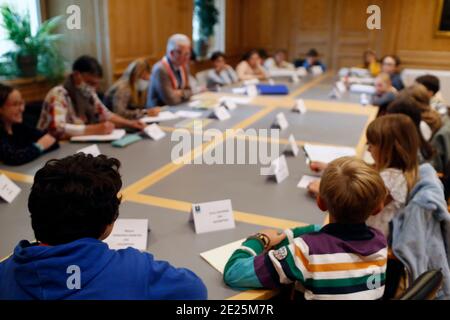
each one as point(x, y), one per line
point(74, 203)
point(345, 259)
point(384, 92)
point(433, 85)
point(19, 143)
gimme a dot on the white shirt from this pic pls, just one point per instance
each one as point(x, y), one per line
point(395, 182)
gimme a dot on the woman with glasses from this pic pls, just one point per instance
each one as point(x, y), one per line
point(391, 66)
point(19, 143)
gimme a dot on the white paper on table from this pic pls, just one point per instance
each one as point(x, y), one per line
point(92, 150)
point(189, 114)
point(218, 257)
point(279, 72)
point(115, 135)
point(162, 116)
point(301, 72)
point(306, 180)
point(237, 100)
point(327, 154)
point(251, 82)
point(154, 132)
point(240, 90)
point(128, 233)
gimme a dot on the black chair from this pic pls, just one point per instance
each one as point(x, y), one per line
point(32, 113)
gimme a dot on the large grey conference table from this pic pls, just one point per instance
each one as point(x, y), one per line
point(162, 191)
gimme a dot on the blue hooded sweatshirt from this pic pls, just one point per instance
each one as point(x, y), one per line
point(48, 273)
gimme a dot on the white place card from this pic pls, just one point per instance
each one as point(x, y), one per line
point(306, 181)
point(335, 94)
point(281, 121)
point(292, 146)
point(154, 132)
point(229, 104)
point(218, 257)
point(251, 82)
point(221, 113)
point(212, 216)
point(92, 150)
point(295, 78)
point(252, 91)
point(341, 87)
point(271, 82)
point(316, 70)
point(299, 106)
point(364, 99)
point(302, 72)
point(279, 169)
point(128, 233)
point(8, 189)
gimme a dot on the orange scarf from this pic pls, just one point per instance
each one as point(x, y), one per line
point(172, 76)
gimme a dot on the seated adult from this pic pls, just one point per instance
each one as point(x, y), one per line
point(390, 64)
point(433, 86)
point(312, 60)
point(128, 96)
point(384, 92)
point(19, 143)
point(278, 61)
point(222, 74)
point(74, 203)
point(370, 62)
point(250, 68)
point(74, 108)
point(170, 76)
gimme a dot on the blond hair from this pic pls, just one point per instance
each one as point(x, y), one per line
point(352, 190)
point(398, 143)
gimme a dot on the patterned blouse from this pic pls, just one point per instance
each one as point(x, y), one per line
point(58, 111)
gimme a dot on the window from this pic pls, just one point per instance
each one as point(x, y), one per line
point(22, 6)
point(217, 40)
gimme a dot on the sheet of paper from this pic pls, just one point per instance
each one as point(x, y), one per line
point(8, 189)
point(189, 114)
point(252, 91)
point(129, 233)
point(212, 216)
point(327, 153)
point(362, 88)
point(240, 90)
point(306, 180)
point(162, 116)
point(237, 100)
point(316, 70)
point(115, 135)
point(278, 72)
point(92, 150)
point(218, 257)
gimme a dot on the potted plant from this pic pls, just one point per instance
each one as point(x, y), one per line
point(207, 16)
point(34, 53)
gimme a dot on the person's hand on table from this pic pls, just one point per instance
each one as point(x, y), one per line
point(317, 166)
point(103, 128)
point(46, 141)
point(153, 112)
point(136, 124)
point(275, 237)
point(313, 188)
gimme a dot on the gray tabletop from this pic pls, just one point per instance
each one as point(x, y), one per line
point(249, 191)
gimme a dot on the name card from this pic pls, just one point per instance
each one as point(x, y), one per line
point(92, 150)
point(302, 72)
point(335, 94)
point(279, 169)
point(251, 82)
point(295, 78)
point(271, 82)
point(230, 105)
point(252, 91)
point(212, 216)
point(364, 99)
point(281, 121)
point(128, 233)
point(341, 87)
point(316, 70)
point(299, 106)
point(154, 132)
point(221, 113)
point(292, 147)
point(8, 189)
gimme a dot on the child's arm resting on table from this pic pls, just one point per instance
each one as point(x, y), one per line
point(250, 267)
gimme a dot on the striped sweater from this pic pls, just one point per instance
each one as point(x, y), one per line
point(336, 262)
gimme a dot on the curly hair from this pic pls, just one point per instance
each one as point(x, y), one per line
point(75, 197)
